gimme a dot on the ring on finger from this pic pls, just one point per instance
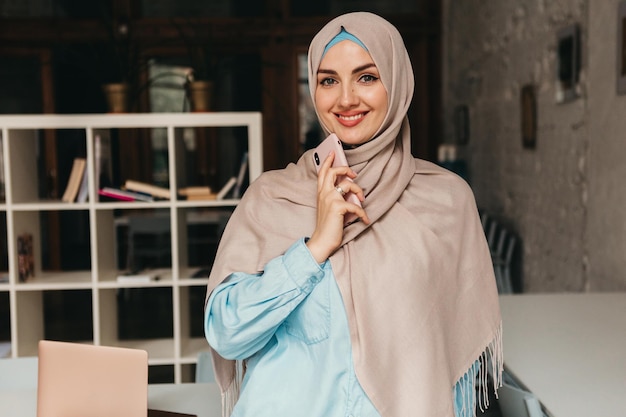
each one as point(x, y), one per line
point(340, 190)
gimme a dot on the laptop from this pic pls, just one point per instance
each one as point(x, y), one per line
point(85, 380)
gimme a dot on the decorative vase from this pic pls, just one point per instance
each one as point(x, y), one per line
point(200, 94)
point(116, 95)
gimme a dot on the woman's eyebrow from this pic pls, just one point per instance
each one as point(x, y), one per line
point(363, 67)
point(326, 71)
point(354, 71)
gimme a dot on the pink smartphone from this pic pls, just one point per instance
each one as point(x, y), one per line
point(332, 143)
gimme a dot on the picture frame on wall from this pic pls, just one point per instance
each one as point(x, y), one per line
point(568, 63)
point(621, 48)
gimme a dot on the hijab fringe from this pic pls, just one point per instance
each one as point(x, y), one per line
point(231, 394)
point(491, 363)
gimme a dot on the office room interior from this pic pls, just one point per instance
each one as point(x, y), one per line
point(524, 99)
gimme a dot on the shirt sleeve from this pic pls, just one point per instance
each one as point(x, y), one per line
point(244, 311)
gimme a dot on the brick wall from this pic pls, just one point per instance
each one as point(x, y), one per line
point(566, 197)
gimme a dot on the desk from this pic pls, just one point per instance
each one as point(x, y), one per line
point(204, 400)
point(569, 350)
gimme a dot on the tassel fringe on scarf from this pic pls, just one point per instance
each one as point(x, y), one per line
point(490, 364)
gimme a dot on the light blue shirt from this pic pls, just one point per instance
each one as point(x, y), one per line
point(291, 325)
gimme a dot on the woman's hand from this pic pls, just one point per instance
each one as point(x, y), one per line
point(331, 208)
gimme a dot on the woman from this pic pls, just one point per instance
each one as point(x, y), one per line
point(394, 315)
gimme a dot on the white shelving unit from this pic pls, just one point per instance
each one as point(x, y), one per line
point(23, 207)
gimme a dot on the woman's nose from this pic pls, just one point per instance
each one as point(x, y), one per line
point(348, 97)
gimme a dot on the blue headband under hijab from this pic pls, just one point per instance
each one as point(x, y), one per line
point(343, 36)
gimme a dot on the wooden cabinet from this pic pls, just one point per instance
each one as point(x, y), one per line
point(172, 304)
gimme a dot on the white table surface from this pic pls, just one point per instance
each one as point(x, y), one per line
point(569, 350)
point(202, 400)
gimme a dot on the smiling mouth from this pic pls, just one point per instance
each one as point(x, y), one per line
point(351, 118)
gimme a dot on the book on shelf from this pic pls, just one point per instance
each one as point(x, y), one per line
point(83, 190)
point(73, 183)
point(151, 189)
point(197, 193)
point(124, 195)
point(145, 275)
point(243, 168)
point(221, 194)
point(103, 163)
point(201, 197)
point(195, 190)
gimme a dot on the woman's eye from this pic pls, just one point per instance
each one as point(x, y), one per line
point(327, 81)
point(368, 78)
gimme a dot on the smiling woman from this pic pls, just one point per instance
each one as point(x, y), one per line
point(394, 315)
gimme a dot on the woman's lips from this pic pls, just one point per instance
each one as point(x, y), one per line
point(350, 119)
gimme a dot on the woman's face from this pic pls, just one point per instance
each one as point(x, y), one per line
point(350, 98)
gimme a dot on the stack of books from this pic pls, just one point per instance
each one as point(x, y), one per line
point(154, 190)
point(135, 191)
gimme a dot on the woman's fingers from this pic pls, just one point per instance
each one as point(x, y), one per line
point(329, 175)
point(333, 184)
point(353, 195)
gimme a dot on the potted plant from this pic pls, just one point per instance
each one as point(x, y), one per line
point(120, 83)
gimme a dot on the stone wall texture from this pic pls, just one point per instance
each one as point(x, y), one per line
point(566, 197)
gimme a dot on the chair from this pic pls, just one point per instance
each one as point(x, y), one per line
point(497, 256)
point(490, 227)
point(19, 372)
point(515, 400)
point(204, 367)
point(503, 264)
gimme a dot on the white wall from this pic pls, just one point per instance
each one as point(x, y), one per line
point(566, 197)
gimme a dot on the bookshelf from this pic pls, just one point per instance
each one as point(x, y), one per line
point(96, 288)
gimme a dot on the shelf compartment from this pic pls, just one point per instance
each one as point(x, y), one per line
point(37, 238)
point(142, 239)
point(161, 374)
point(65, 315)
point(191, 347)
point(4, 250)
point(210, 156)
point(143, 156)
point(146, 313)
point(191, 299)
point(201, 228)
point(29, 322)
point(26, 183)
point(68, 315)
point(5, 323)
point(188, 372)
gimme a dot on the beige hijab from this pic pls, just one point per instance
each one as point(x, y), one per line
point(417, 283)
